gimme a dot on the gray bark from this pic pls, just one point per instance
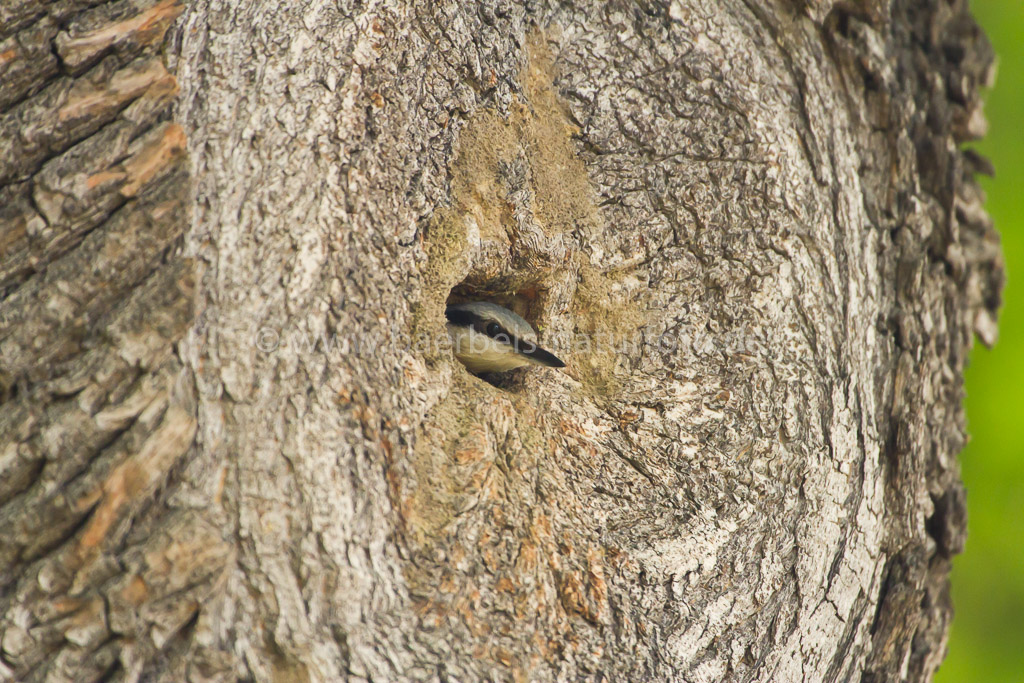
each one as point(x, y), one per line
point(234, 446)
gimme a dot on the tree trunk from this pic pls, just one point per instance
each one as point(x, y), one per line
point(235, 445)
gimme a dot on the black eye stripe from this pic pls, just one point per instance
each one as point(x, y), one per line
point(489, 327)
point(460, 317)
point(492, 330)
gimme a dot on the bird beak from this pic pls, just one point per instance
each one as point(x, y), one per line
point(539, 356)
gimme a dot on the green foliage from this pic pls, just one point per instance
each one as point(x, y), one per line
point(987, 642)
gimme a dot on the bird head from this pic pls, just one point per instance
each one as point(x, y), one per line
point(490, 338)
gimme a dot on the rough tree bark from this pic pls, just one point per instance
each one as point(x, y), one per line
point(232, 446)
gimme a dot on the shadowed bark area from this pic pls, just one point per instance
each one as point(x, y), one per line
point(235, 444)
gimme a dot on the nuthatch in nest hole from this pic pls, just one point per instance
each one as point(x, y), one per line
point(489, 338)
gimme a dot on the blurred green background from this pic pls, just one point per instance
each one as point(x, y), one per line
point(987, 640)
